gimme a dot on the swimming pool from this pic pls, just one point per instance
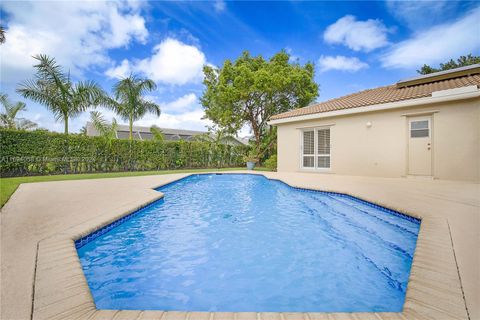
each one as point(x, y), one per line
point(235, 242)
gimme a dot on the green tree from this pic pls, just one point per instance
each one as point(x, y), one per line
point(107, 130)
point(451, 64)
point(53, 88)
point(8, 118)
point(250, 90)
point(129, 102)
point(217, 137)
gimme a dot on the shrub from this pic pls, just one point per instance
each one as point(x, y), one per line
point(271, 163)
point(41, 152)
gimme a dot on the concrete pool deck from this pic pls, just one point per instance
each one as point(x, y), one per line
point(42, 277)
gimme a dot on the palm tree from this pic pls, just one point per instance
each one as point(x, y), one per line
point(129, 102)
point(52, 87)
point(9, 119)
point(106, 130)
point(157, 134)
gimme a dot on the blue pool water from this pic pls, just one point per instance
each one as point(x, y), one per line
point(245, 243)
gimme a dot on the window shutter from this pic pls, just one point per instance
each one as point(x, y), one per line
point(308, 142)
point(323, 141)
point(323, 148)
point(308, 158)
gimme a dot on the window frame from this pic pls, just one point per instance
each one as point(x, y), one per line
point(303, 155)
point(421, 129)
point(315, 153)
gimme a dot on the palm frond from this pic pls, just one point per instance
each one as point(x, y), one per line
point(106, 130)
point(85, 94)
point(151, 107)
point(97, 120)
point(157, 134)
point(146, 85)
point(5, 121)
point(16, 108)
point(3, 98)
point(9, 119)
point(42, 93)
point(48, 70)
point(83, 130)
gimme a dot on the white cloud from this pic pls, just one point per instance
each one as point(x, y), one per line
point(191, 120)
point(124, 28)
point(219, 5)
point(120, 71)
point(342, 63)
point(172, 62)
point(437, 44)
point(186, 102)
point(418, 14)
point(182, 104)
point(78, 34)
point(182, 113)
point(357, 35)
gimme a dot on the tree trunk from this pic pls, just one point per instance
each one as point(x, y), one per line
point(66, 153)
point(65, 120)
point(256, 134)
point(130, 120)
point(130, 160)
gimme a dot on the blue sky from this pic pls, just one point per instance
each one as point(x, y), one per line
point(355, 45)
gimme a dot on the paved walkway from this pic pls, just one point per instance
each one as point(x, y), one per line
point(40, 210)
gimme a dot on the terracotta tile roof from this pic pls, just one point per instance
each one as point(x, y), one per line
point(391, 93)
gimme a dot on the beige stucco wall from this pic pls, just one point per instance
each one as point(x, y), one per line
point(381, 150)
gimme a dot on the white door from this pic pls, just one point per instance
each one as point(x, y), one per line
point(420, 146)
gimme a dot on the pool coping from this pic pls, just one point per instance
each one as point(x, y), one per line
point(61, 290)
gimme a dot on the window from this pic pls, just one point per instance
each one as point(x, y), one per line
point(309, 149)
point(316, 148)
point(323, 148)
point(419, 129)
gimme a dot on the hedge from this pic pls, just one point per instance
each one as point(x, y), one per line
point(41, 152)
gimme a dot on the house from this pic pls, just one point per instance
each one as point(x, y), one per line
point(143, 133)
point(427, 126)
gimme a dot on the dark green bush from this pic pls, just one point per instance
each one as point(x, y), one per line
point(40, 152)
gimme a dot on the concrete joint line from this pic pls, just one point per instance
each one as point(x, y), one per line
point(458, 270)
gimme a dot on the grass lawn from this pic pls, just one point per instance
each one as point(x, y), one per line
point(9, 185)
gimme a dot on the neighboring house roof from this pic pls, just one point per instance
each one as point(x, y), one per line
point(143, 133)
point(414, 88)
point(169, 131)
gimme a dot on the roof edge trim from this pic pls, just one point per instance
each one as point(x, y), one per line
point(379, 107)
point(439, 76)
